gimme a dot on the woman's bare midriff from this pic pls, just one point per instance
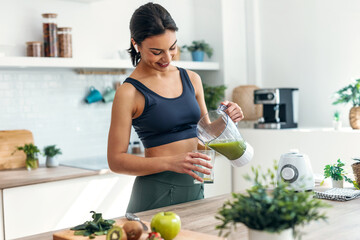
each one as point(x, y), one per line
point(174, 148)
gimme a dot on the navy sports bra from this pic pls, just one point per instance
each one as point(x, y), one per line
point(166, 120)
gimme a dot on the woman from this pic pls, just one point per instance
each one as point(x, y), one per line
point(164, 104)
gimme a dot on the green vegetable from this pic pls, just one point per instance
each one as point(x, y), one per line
point(98, 226)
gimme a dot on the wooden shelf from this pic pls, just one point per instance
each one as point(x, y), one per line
point(72, 63)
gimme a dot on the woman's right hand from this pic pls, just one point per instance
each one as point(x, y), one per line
point(186, 163)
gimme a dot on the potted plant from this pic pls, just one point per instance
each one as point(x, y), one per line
point(197, 49)
point(31, 151)
point(270, 209)
point(337, 174)
point(213, 95)
point(51, 152)
point(351, 93)
point(336, 120)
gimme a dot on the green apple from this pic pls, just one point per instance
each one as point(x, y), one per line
point(168, 224)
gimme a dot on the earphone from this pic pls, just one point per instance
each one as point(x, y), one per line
point(136, 48)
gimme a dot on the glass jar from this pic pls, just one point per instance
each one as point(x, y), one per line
point(65, 42)
point(50, 35)
point(34, 49)
point(136, 148)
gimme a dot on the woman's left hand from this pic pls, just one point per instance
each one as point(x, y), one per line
point(234, 111)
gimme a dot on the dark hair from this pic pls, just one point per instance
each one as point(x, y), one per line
point(148, 20)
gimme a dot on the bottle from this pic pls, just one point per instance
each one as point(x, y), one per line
point(50, 35)
point(65, 42)
point(34, 49)
point(136, 148)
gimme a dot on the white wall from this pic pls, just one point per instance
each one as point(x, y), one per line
point(312, 45)
point(50, 103)
point(234, 45)
point(99, 29)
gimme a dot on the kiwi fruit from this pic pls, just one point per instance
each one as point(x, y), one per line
point(133, 230)
point(116, 233)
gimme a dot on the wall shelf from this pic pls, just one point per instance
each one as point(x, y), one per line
point(73, 63)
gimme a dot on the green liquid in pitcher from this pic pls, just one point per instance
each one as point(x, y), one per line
point(232, 150)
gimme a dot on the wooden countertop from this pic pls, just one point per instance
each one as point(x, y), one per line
point(22, 177)
point(199, 216)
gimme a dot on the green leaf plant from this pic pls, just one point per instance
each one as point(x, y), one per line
point(336, 172)
point(199, 46)
point(337, 116)
point(213, 95)
point(30, 150)
point(51, 151)
point(269, 206)
point(350, 93)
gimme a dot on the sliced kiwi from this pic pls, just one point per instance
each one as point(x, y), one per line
point(114, 233)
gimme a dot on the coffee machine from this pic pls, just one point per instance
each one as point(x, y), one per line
point(280, 107)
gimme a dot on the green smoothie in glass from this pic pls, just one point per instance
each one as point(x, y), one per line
point(230, 149)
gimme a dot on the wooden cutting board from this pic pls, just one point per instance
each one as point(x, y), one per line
point(9, 140)
point(183, 234)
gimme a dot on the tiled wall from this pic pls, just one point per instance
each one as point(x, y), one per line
point(51, 105)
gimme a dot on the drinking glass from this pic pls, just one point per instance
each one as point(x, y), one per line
point(208, 178)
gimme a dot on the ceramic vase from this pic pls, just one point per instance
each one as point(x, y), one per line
point(51, 162)
point(197, 56)
point(263, 235)
point(31, 163)
point(337, 183)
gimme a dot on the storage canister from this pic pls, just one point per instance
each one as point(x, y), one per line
point(50, 34)
point(34, 49)
point(65, 42)
point(136, 148)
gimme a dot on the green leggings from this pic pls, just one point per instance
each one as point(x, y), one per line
point(163, 189)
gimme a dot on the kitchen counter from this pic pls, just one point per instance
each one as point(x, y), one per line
point(199, 216)
point(22, 177)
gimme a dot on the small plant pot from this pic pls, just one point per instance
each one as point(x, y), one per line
point(197, 56)
point(31, 163)
point(263, 235)
point(337, 125)
point(337, 183)
point(52, 162)
point(356, 171)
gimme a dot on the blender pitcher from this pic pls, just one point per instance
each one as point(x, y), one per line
point(217, 131)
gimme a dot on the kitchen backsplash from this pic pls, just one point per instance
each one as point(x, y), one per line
point(51, 105)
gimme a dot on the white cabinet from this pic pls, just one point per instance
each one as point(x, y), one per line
point(56, 205)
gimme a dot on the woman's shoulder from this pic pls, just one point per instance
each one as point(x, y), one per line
point(192, 73)
point(126, 91)
point(194, 77)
